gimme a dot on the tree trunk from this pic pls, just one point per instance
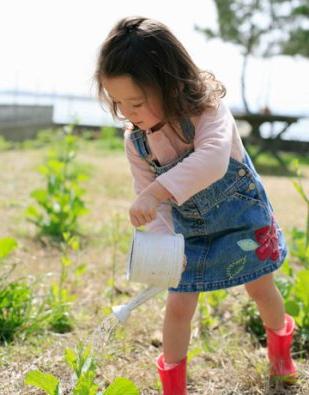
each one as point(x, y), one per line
point(243, 83)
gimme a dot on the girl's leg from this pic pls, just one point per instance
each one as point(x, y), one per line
point(269, 301)
point(180, 308)
point(279, 328)
point(171, 365)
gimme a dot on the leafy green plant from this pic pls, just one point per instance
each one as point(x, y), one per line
point(208, 308)
point(7, 246)
point(252, 322)
point(300, 238)
point(60, 299)
point(61, 201)
point(109, 140)
point(20, 312)
point(292, 283)
point(83, 365)
point(4, 144)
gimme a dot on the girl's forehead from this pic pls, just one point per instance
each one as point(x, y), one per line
point(122, 87)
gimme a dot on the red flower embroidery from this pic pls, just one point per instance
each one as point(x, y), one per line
point(268, 240)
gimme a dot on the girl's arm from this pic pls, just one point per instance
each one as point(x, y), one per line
point(143, 180)
point(210, 159)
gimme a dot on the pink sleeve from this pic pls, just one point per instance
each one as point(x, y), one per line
point(140, 169)
point(142, 177)
point(210, 159)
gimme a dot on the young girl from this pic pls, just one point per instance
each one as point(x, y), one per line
point(188, 164)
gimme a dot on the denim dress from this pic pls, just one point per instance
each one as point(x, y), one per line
point(231, 236)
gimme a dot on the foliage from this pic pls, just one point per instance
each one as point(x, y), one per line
point(84, 369)
point(261, 28)
point(110, 140)
point(4, 144)
point(59, 298)
point(61, 201)
point(208, 310)
point(20, 312)
point(292, 283)
point(297, 42)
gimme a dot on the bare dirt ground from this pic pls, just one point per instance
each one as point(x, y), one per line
point(229, 362)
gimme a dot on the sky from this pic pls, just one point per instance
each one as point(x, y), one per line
point(52, 45)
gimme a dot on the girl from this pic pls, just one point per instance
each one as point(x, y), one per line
point(188, 164)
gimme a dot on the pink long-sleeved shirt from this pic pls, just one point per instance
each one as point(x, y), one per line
point(216, 140)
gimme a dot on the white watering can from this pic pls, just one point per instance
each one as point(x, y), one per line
point(155, 259)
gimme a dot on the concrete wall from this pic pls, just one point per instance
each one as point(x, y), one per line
point(21, 122)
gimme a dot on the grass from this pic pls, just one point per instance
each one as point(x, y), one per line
point(238, 366)
point(266, 164)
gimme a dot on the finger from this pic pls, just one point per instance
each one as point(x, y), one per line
point(140, 218)
point(136, 221)
point(149, 218)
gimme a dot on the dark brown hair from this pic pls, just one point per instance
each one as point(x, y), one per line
point(152, 56)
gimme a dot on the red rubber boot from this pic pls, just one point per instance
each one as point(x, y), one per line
point(174, 380)
point(282, 366)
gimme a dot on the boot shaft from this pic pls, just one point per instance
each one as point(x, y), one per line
point(279, 352)
point(174, 380)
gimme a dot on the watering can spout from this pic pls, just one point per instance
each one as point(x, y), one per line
point(122, 312)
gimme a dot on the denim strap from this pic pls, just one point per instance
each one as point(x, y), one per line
point(139, 140)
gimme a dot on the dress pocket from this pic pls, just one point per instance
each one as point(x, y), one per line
point(251, 190)
point(188, 209)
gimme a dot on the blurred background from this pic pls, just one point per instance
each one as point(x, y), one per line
point(258, 49)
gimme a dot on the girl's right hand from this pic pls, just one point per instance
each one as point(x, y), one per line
point(143, 210)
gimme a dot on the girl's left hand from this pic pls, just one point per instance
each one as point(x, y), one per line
point(144, 209)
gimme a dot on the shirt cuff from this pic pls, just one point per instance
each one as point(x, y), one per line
point(176, 196)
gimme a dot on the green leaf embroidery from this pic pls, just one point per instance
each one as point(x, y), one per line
point(236, 267)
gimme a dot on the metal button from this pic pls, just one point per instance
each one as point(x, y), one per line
point(242, 172)
point(251, 186)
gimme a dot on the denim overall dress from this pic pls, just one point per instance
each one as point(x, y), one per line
point(231, 236)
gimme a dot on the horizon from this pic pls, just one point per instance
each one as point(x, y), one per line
point(57, 51)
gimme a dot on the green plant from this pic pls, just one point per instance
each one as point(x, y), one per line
point(252, 321)
point(4, 144)
point(83, 365)
point(292, 283)
point(208, 313)
point(20, 312)
point(300, 247)
point(59, 298)
point(61, 202)
point(109, 140)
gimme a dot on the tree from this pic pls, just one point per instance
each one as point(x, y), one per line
point(298, 41)
point(261, 28)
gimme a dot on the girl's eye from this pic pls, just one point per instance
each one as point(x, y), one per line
point(138, 105)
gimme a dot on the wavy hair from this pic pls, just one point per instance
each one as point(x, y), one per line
point(148, 52)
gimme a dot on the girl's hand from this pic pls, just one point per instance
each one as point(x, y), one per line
point(144, 209)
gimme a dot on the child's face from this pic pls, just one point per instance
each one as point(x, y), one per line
point(143, 111)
